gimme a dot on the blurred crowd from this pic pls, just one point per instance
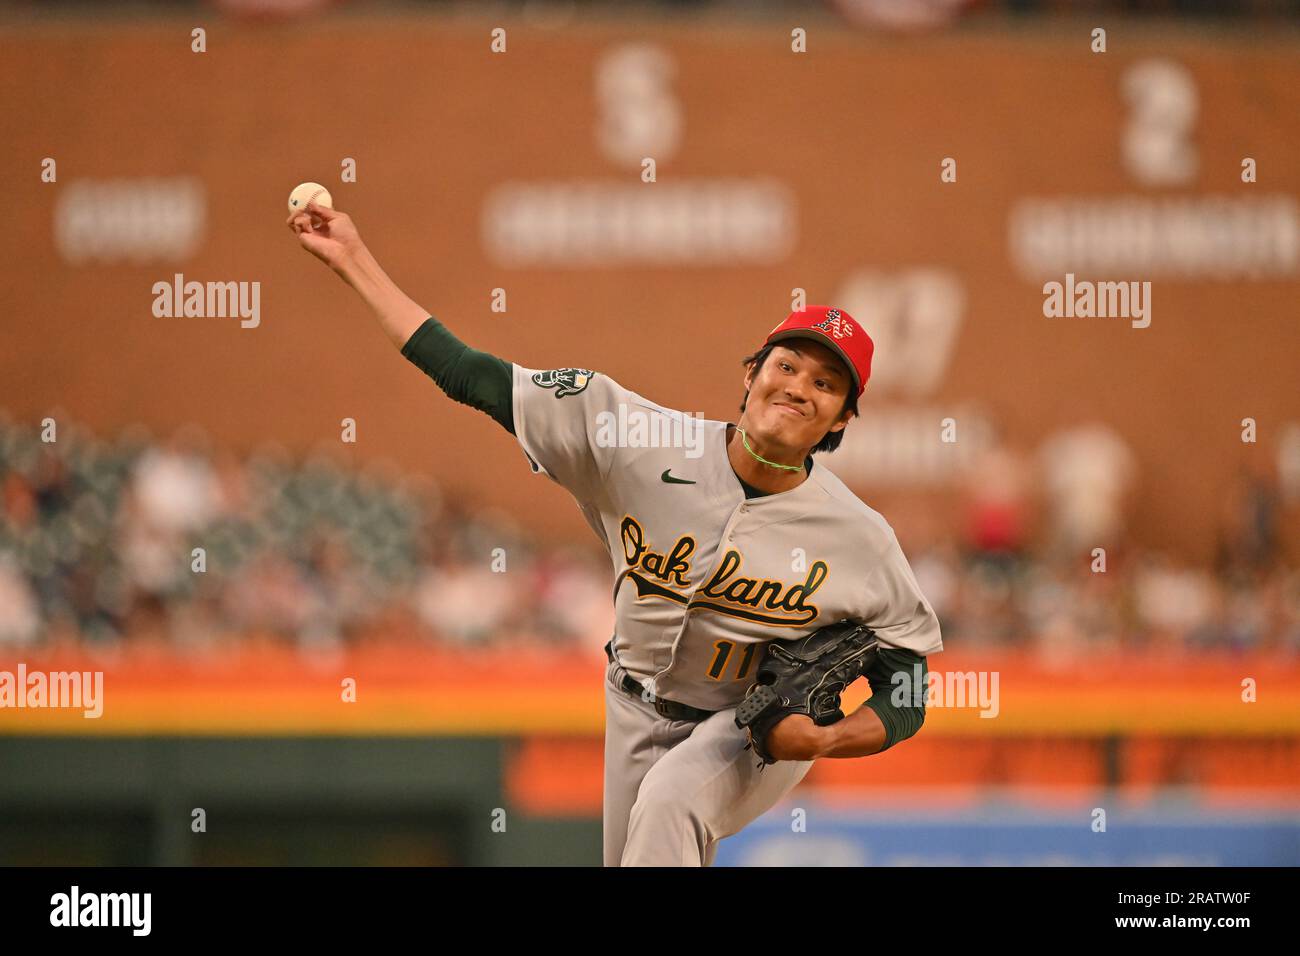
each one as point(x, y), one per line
point(142, 538)
point(166, 540)
point(1045, 559)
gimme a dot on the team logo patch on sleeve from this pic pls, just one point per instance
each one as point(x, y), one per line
point(565, 381)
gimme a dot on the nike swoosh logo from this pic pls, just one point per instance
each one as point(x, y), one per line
point(675, 481)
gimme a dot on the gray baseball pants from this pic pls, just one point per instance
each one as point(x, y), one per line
point(674, 788)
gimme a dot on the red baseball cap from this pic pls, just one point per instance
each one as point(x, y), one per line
point(835, 329)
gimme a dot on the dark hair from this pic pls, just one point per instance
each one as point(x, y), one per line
point(831, 440)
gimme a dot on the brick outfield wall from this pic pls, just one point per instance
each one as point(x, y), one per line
point(853, 133)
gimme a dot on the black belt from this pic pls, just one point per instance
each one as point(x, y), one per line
point(668, 709)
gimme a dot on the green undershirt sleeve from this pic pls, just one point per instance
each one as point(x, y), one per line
point(467, 375)
point(900, 705)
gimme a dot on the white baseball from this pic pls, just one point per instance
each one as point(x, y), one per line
point(309, 192)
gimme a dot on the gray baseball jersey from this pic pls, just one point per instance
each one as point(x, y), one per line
point(704, 577)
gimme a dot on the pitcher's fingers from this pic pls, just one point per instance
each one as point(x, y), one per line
point(321, 212)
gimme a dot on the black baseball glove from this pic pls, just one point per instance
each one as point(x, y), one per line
point(805, 676)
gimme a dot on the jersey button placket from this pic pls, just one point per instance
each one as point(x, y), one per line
point(729, 528)
point(735, 520)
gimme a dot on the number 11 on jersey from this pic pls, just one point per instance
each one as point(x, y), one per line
point(722, 654)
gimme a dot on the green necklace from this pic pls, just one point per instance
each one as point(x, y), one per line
point(757, 457)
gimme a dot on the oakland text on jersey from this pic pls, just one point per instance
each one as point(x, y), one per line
point(724, 592)
point(672, 567)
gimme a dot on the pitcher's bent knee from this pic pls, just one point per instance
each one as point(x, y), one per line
point(666, 829)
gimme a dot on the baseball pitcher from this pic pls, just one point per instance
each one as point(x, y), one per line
point(750, 585)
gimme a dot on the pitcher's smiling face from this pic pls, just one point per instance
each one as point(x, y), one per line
point(799, 394)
